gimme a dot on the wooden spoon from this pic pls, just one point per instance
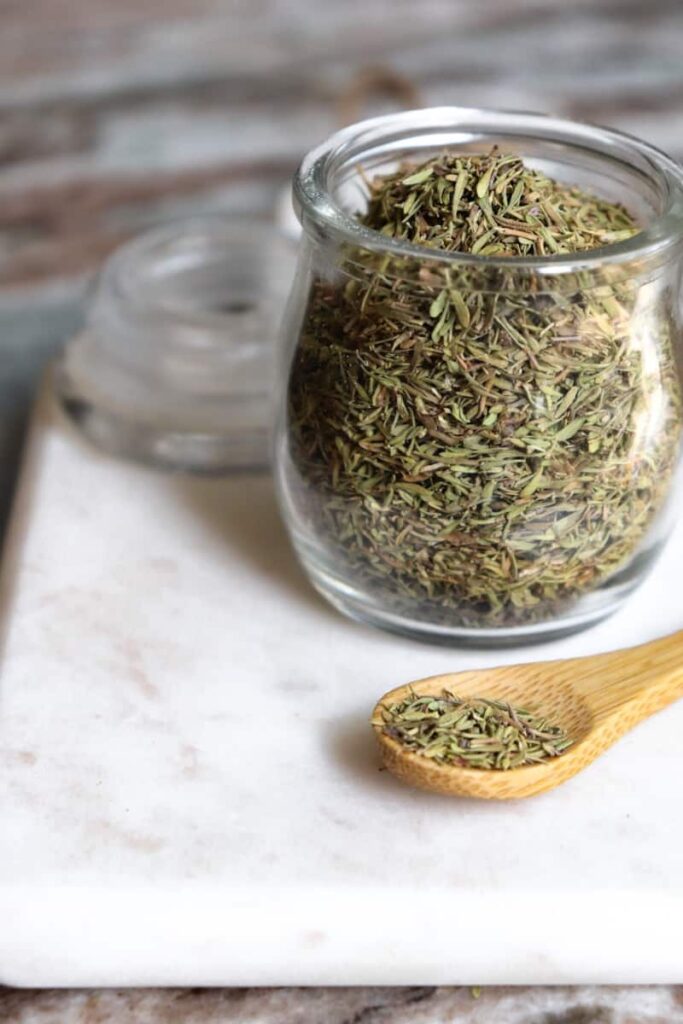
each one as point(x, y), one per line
point(596, 700)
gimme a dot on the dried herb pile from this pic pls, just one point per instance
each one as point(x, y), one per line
point(474, 732)
point(492, 206)
point(482, 455)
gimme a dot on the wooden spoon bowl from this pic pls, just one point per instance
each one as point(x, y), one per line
point(595, 700)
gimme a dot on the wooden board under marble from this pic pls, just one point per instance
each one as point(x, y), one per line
point(191, 795)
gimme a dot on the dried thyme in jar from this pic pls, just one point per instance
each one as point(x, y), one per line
point(474, 732)
point(474, 452)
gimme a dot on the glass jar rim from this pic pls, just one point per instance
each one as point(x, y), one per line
point(316, 205)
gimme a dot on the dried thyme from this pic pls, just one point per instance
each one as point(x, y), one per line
point(492, 206)
point(474, 732)
point(472, 450)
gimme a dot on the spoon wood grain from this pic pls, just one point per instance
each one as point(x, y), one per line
point(595, 699)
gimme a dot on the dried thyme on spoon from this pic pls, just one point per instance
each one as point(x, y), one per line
point(471, 450)
point(473, 732)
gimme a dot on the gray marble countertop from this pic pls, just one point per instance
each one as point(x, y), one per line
point(347, 1006)
point(116, 115)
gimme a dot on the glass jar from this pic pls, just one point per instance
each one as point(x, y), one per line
point(506, 477)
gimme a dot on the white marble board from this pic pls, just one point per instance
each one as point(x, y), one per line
point(189, 791)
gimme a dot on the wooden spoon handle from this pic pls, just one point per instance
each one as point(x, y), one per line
point(644, 679)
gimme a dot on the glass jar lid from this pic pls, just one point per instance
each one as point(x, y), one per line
point(176, 363)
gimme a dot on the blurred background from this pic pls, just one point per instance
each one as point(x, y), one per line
point(116, 115)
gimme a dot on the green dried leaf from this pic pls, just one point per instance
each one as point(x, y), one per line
point(570, 430)
point(437, 306)
point(482, 186)
point(419, 177)
point(461, 309)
